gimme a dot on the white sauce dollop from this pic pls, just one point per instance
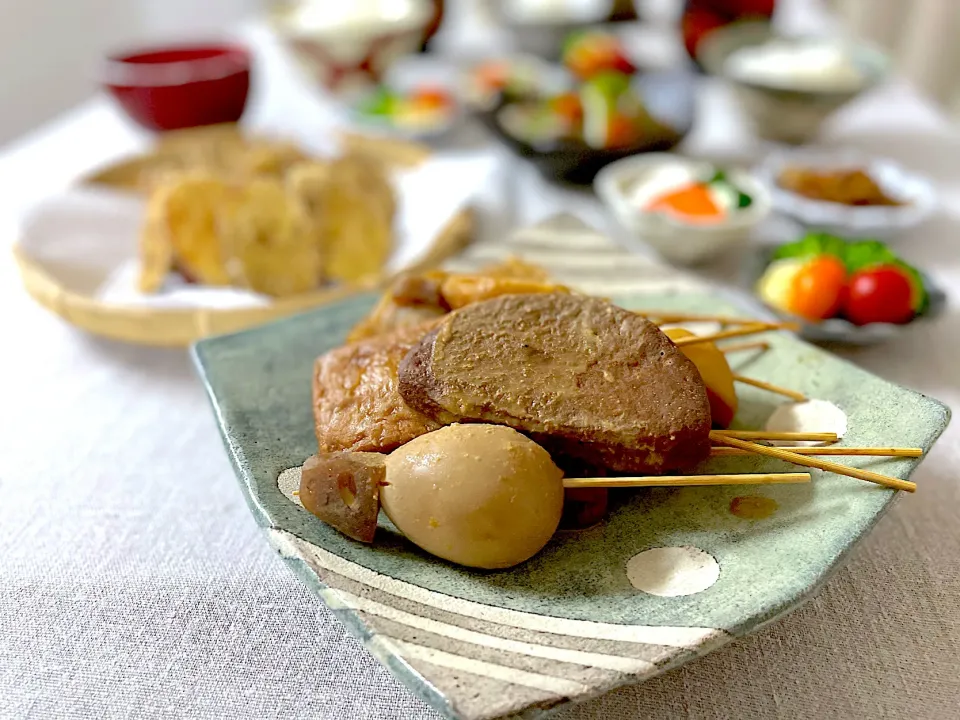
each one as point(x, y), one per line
point(809, 416)
point(817, 66)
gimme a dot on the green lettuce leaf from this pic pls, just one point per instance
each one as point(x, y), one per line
point(811, 245)
point(856, 255)
point(866, 253)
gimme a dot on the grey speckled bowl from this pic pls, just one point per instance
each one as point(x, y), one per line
point(788, 116)
point(594, 610)
point(839, 330)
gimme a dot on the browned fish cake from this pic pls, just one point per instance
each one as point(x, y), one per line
point(356, 404)
point(589, 381)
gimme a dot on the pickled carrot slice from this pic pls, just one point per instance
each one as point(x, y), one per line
point(693, 201)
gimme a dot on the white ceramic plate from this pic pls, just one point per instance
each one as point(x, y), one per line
point(897, 182)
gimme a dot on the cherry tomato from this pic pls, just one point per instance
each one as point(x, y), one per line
point(818, 288)
point(880, 294)
point(621, 63)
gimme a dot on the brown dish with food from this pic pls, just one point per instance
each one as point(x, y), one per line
point(470, 408)
point(854, 187)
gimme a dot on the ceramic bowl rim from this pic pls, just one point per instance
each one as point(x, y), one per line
point(873, 57)
point(853, 219)
point(606, 188)
point(417, 17)
point(121, 69)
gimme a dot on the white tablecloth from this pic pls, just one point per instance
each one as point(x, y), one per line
point(134, 582)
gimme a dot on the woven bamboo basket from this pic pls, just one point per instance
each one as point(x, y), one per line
point(166, 327)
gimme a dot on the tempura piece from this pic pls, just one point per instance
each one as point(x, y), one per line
point(251, 235)
point(358, 208)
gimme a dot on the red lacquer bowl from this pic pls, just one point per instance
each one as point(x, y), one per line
point(182, 86)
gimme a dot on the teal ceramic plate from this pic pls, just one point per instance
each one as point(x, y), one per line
point(669, 575)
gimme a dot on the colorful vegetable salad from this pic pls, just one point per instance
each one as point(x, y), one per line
point(823, 276)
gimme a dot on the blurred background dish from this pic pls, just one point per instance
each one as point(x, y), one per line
point(487, 83)
point(789, 86)
point(688, 210)
point(346, 45)
point(846, 192)
point(169, 88)
point(698, 18)
point(571, 136)
point(539, 27)
point(418, 99)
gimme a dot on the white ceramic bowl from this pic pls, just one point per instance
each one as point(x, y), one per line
point(349, 45)
point(880, 222)
point(677, 241)
point(407, 74)
point(788, 113)
point(539, 27)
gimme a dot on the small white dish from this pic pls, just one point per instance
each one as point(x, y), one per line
point(406, 75)
point(880, 222)
point(675, 240)
point(535, 77)
point(347, 45)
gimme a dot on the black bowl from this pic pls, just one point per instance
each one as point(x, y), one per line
point(668, 97)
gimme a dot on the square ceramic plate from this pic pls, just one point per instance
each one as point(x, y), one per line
point(571, 623)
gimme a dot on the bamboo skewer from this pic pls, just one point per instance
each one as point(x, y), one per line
point(688, 480)
point(805, 461)
point(671, 317)
point(751, 329)
point(859, 451)
point(828, 437)
point(664, 318)
point(743, 347)
point(770, 387)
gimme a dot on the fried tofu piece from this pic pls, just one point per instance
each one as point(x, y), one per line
point(415, 298)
